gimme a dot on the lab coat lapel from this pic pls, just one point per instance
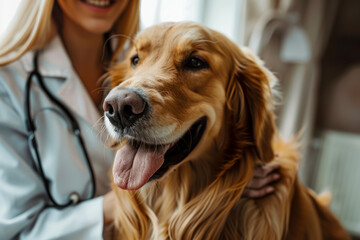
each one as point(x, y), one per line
point(55, 63)
point(74, 94)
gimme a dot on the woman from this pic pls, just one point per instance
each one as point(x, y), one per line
point(64, 41)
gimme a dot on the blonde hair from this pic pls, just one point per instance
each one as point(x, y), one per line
point(38, 26)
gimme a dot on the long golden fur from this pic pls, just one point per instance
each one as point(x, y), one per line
point(200, 198)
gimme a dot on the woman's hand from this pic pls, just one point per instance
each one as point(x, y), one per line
point(261, 184)
point(108, 207)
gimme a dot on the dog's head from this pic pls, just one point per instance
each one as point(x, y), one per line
point(181, 85)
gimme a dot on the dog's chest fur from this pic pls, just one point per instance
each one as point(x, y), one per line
point(171, 202)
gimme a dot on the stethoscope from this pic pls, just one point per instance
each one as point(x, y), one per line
point(74, 197)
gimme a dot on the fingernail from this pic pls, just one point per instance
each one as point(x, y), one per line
point(270, 189)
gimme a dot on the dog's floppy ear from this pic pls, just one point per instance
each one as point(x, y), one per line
point(250, 101)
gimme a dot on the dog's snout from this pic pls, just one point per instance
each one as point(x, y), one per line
point(124, 107)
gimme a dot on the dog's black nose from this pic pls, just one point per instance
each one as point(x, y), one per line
point(124, 107)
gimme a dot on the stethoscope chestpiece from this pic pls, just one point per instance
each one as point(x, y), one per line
point(74, 198)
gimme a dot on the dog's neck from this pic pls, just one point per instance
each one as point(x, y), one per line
point(199, 170)
point(194, 177)
point(194, 189)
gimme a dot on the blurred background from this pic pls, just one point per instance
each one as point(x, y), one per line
point(313, 47)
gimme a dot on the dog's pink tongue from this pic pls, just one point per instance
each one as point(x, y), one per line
point(133, 166)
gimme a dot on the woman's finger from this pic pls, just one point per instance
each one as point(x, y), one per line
point(262, 182)
point(251, 193)
point(264, 170)
point(258, 183)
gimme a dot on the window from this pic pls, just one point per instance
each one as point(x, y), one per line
point(226, 16)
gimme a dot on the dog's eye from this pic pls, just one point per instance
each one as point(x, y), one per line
point(135, 60)
point(195, 63)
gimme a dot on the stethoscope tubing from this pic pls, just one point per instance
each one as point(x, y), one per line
point(74, 197)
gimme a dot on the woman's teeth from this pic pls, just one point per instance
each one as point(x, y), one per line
point(99, 3)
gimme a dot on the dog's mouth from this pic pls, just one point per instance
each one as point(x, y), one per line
point(137, 163)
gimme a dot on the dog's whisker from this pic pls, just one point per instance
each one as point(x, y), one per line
point(112, 37)
point(99, 121)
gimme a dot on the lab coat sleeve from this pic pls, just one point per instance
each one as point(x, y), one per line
point(23, 211)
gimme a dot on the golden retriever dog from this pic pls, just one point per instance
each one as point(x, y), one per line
point(193, 114)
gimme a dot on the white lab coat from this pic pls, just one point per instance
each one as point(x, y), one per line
point(23, 211)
